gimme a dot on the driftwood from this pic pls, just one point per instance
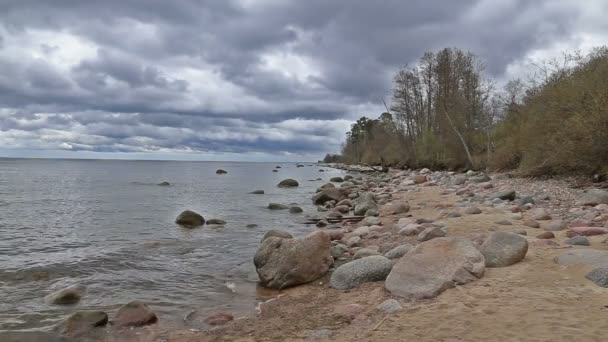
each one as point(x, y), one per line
point(336, 219)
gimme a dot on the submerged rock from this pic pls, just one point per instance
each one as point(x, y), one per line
point(219, 318)
point(164, 184)
point(221, 172)
point(134, 314)
point(257, 192)
point(216, 221)
point(82, 322)
point(296, 210)
point(336, 179)
point(357, 272)
point(190, 219)
point(69, 295)
point(288, 183)
point(277, 206)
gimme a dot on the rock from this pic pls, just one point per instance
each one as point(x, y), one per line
point(216, 221)
point(398, 208)
point(343, 209)
point(411, 229)
point(257, 192)
point(32, 336)
point(585, 257)
point(251, 225)
point(507, 195)
point(398, 251)
point(599, 276)
point(459, 180)
point(540, 214)
point(390, 306)
point(555, 225)
point(361, 231)
point(504, 223)
point(353, 241)
point(69, 295)
point(134, 314)
point(503, 249)
point(288, 183)
point(164, 184)
point(577, 241)
point(480, 179)
point(586, 231)
point(430, 233)
point(221, 172)
point(371, 220)
point(336, 179)
point(545, 235)
point(282, 263)
point(347, 202)
point(419, 179)
point(531, 224)
point(364, 203)
point(520, 231)
point(525, 200)
point(219, 318)
point(357, 272)
point(322, 223)
point(336, 234)
point(190, 219)
point(472, 211)
point(365, 252)
point(275, 170)
point(454, 214)
point(82, 322)
point(326, 186)
point(371, 212)
point(517, 216)
point(277, 233)
point(486, 185)
point(277, 167)
point(296, 210)
point(434, 266)
point(277, 206)
point(593, 197)
point(329, 194)
point(337, 250)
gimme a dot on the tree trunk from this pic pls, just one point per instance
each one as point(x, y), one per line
point(464, 144)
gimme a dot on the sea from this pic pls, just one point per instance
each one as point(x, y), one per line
point(108, 225)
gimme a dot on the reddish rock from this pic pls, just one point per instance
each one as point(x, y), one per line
point(515, 209)
point(219, 318)
point(580, 223)
point(134, 314)
point(586, 231)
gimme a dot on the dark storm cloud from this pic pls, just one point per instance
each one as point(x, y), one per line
point(238, 76)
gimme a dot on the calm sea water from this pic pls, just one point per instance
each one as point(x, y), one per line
point(90, 222)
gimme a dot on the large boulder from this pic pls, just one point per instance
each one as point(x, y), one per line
point(364, 203)
point(357, 272)
point(282, 263)
point(288, 183)
point(504, 249)
point(329, 194)
point(134, 314)
point(82, 322)
point(190, 219)
point(434, 266)
point(593, 197)
point(67, 296)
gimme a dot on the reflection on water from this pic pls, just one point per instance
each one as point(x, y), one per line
point(109, 225)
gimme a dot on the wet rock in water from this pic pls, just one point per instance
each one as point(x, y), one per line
point(531, 224)
point(398, 208)
point(69, 295)
point(275, 170)
point(545, 235)
point(357, 272)
point(434, 266)
point(577, 241)
point(296, 210)
point(221, 172)
point(82, 322)
point(503, 249)
point(390, 306)
point(216, 221)
point(190, 219)
point(282, 263)
point(219, 318)
point(164, 184)
point(257, 192)
point(555, 226)
point(364, 203)
point(277, 206)
point(33, 336)
point(593, 197)
point(472, 211)
point(371, 220)
point(504, 223)
point(430, 233)
point(326, 186)
point(348, 177)
point(251, 225)
point(336, 179)
point(420, 179)
point(540, 214)
point(322, 223)
point(365, 252)
point(599, 276)
point(277, 167)
point(288, 183)
point(507, 195)
point(586, 257)
point(329, 194)
point(277, 233)
point(134, 314)
point(586, 231)
point(398, 251)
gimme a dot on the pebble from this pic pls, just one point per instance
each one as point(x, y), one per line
point(390, 306)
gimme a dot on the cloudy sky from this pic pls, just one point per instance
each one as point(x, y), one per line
point(242, 79)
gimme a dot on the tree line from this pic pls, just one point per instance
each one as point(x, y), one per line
point(446, 113)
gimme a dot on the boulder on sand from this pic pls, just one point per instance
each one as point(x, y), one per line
point(585, 257)
point(504, 249)
point(505, 195)
point(599, 276)
point(288, 183)
point(282, 263)
point(69, 295)
point(82, 322)
point(190, 219)
point(364, 203)
point(593, 197)
point(357, 272)
point(434, 266)
point(398, 251)
point(134, 314)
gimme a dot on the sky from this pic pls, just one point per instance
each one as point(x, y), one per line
point(251, 80)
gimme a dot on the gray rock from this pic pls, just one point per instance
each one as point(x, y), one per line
point(190, 219)
point(390, 306)
point(357, 272)
point(364, 203)
point(322, 223)
point(372, 212)
point(216, 221)
point(525, 200)
point(329, 194)
point(69, 295)
point(251, 225)
point(398, 208)
point(577, 241)
point(288, 183)
point(555, 226)
point(504, 249)
point(540, 214)
point(134, 314)
point(346, 202)
point(593, 197)
point(296, 210)
point(504, 223)
point(507, 195)
point(282, 263)
point(257, 192)
point(480, 179)
point(371, 220)
point(430, 233)
point(365, 252)
point(277, 206)
point(585, 257)
point(353, 241)
point(221, 172)
point(277, 233)
point(434, 266)
point(472, 211)
point(164, 184)
point(338, 250)
point(459, 180)
point(398, 251)
point(82, 322)
point(337, 179)
point(599, 276)
point(343, 209)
